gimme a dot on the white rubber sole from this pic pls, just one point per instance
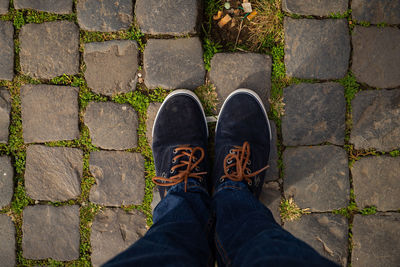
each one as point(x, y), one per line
point(181, 92)
point(259, 101)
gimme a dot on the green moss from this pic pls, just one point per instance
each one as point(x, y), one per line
point(32, 16)
point(279, 81)
point(87, 213)
point(18, 20)
point(362, 23)
point(132, 34)
point(295, 16)
point(69, 80)
point(210, 49)
point(86, 96)
point(351, 209)
point(341, 15)
point(351, 87)
point(368, 210)
point(394, 153)
point(25, 16)
point(382, 25)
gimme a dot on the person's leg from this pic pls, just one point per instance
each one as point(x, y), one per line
point(181, 234)
point(246, 233)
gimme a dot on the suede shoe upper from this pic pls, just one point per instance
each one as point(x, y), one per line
point(242, 142)
point(180, 141)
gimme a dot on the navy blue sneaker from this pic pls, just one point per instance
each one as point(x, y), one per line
point(242, 141)
point(180, 142)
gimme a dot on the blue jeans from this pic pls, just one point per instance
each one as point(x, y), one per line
point(244, 233)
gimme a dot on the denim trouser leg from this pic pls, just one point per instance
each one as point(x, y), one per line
point(247, 234)
point(180, 234)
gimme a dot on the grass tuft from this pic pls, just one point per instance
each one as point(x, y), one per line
point(266, 29)
point(290, 211)
point(210, 49)
point(368, 210)
point(208, 97)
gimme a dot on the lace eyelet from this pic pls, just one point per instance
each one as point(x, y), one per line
point(249, 163)
point(250, 183)
point(174, 161)
point(247, 171)
point(174, 151)
point(229, 161)
point(171, 171)
point(231, 151)
point(221, 180)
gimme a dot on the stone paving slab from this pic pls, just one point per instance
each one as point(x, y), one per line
point(316, 49)
point(51, 6)
point(51, 232)
point(314, 114)
point(376, 182)
point(113, 231)
point(112, 125)
point(376, 56)
point(104, 16)
point(173, 17)
point(6, 50)
point(111, 66)
point(49, 113)
point(316, 8)
point(174, 63)
point(376, 240)
point(49, 49)
point(317, 177)
point(151, 116)
point(271, 197)
point(376, 11)
point(4, 6)
point(231, 71)
point(326, 233)
point(272, 173)
point(376, 120)
point(6, 181)
point(7, 244)
point(53, 173)
point(5, 109)
point(119, 178)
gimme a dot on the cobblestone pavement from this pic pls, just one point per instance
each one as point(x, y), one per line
point(75, 164)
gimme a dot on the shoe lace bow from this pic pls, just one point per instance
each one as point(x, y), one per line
point(239, 159)
point(185, 168)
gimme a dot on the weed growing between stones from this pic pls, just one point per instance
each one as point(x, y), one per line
point(210, 49)
point(368, 210)
point(132, 34)
point(139, 100)
point(341, 15)
point(290, 211)
point(208, 97)
point(353, 209)
point(25, 16)
point(394, 153)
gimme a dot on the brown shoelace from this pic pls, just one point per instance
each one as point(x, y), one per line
point(183, 175)
point(239, 157)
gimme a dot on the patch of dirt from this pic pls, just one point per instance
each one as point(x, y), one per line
point(234, 33)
